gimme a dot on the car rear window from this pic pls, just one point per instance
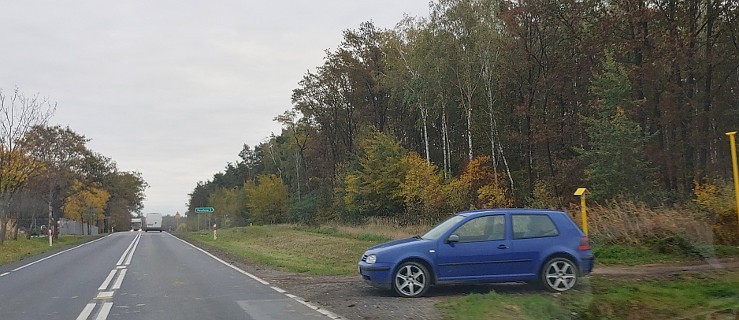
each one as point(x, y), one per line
point(533, 226)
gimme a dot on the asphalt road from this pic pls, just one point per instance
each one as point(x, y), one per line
point(134, 275)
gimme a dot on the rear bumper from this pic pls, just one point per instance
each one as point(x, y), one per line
point(587, 264)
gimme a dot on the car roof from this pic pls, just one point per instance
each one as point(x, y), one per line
point(481, 212)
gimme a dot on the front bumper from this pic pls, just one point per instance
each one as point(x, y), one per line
point(377, 274)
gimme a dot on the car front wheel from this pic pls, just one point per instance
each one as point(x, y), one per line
point(411, 280)
point(559, 275)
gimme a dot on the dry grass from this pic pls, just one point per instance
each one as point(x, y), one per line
point(387, 227)
point(628, 222)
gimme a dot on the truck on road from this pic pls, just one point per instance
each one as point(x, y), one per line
point(136, 224)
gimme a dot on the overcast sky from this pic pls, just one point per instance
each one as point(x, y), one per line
point(174, 88)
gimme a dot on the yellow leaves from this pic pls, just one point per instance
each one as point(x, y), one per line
point(718, 199)
point(268, 199)
point(86, 202)
point(422, 186)
point(488, 190)
point(493, 196)
point(16, 168)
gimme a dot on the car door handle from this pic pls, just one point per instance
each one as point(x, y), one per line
point(502, 246)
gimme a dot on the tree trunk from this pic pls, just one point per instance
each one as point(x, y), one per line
point(443, 142)
point(51, 231)
point(424, 116)
point(2, 229)
point(707, 98)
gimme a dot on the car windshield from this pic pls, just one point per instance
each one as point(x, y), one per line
point(439, 230)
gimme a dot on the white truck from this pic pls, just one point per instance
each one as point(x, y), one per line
point(153, 222)
point(135, 224)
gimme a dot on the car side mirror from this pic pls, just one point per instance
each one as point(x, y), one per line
point(453, 238)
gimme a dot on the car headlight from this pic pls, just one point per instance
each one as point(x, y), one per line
point(371, 259)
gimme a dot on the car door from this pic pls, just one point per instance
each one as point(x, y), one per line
point(480, 250)
point(532, 234)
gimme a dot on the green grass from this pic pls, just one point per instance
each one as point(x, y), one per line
point(319, 251)
point(631, 255)
point(635, 255)
point(677, 296)
point(504, 306)
point(686, 295)
point(14, 250)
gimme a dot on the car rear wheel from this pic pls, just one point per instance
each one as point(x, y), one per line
point(411, 280)
point(559, 275)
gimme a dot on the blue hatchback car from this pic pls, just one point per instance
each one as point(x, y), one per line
point(495, 245)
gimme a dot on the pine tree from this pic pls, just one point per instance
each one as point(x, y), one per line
point(616, 161)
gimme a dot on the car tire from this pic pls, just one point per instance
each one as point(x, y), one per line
point(411, 280)
point(559, 274)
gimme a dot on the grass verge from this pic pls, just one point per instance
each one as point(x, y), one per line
point(318, 251)
point(636, 255)
point(14, 250)
point(684, 296)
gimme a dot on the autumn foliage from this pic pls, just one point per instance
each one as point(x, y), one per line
point(510, 103)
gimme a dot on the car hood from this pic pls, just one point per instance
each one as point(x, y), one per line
point(394, 243)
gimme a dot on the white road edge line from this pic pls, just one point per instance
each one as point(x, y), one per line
point(86, 311)
point(56, 254)
point(104, 311)
point(324, 312)
point(4, 274)
point(108, 279)
point(119, 280)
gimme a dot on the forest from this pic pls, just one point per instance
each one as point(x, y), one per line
point(495, 103)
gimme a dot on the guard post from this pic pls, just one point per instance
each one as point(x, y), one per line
point(732, 140)
point(583, 209)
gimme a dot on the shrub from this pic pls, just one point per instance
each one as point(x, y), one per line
point(717, 200)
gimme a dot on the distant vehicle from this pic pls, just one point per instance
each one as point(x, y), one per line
point(136, 224)
point(495, 245)
point(153, 222)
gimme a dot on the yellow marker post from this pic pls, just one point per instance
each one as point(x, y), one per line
point(736, 173)
point(581, 192)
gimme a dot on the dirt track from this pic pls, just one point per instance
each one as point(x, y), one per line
point(350, 298)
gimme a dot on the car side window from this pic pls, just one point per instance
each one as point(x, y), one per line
point(533, 226)
point(482, 229)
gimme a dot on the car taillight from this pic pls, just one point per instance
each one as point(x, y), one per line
point(584, 245)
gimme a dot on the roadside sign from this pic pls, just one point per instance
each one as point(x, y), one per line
point(204, 210)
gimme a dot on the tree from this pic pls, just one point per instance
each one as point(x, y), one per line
point(421, 190)
point(18, 115)
point(372, 188)
point(22, 170)
point(63, 153)
point(484, 188)
point(228, 203)
point(126, 191)
point(616, 165)
point(268, 200)
point(86, 204)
